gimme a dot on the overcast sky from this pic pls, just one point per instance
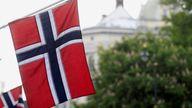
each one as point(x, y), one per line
point(90, 12)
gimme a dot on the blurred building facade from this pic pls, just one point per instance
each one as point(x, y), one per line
point(151, 16)
point(119, 24)
point(64, 105)
point(110, 29)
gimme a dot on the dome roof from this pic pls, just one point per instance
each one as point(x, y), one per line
point(118, 18)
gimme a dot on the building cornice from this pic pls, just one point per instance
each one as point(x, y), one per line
point(105, 30)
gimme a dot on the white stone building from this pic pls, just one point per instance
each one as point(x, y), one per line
point(151, 16)
point(110, 29)
point(118, 24)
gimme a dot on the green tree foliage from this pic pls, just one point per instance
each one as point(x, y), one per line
point(185, 5)
point(126, 81)
point(180, 22)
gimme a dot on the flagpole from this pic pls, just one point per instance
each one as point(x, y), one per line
point(37, 11)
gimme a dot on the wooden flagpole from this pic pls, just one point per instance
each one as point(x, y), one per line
point(37, 11)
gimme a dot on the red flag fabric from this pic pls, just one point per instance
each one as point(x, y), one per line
point(12, 99)
point(51, 57)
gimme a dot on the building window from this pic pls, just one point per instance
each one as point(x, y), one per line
point(92, 38)
point(165, 13)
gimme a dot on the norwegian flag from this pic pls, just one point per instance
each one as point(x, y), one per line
point(12, 99)
point(51, 56)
